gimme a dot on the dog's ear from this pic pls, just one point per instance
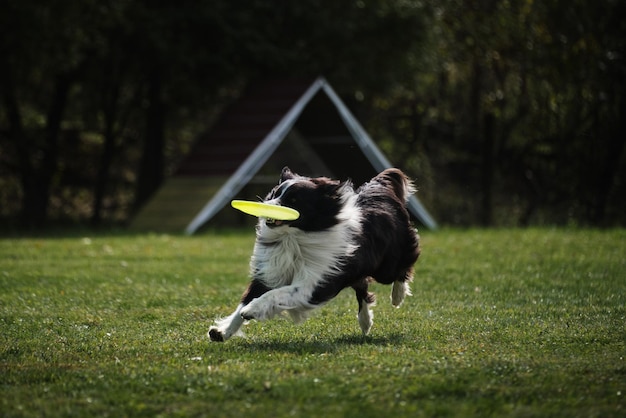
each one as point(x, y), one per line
point(286, 174)
point(345, 189)
point(335, 189)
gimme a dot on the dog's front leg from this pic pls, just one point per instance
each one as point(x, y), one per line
point(225, 328)
point(275, 301)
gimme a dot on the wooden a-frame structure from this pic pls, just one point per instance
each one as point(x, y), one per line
point(303, 124)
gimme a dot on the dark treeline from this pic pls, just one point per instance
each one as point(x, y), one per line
point(506, 112)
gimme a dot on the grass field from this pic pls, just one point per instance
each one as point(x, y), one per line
point(506, 323)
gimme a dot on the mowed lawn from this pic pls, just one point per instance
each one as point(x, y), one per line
point(505, 323)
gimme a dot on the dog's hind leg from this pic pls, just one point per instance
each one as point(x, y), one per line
point(401, 289)
point(365, 299)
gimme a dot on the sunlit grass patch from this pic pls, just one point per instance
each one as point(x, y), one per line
point(502, 323)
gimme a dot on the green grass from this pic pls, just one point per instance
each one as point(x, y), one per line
point(514, 323)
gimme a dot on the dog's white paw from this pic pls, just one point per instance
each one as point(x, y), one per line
point(216, 335)
point(399, 290)
point(225, 328)
point(366, 319)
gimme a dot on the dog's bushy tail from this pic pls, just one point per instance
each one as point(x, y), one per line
point(402, 186)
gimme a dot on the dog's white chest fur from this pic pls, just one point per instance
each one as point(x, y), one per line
point(283, 256)
point(277, 263)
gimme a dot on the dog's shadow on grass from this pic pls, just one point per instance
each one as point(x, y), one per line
point(321, 345)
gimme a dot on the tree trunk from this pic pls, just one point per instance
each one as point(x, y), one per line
point(108, 152)
point(481, 129)
point(488, 165)
point(36, 179)
point(605, 175)
point(152, 166)
point(16, 128)
point(106, 160)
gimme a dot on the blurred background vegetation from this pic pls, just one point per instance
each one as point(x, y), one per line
point(505, 112)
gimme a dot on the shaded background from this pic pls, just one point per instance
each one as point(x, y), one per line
point(505, 112)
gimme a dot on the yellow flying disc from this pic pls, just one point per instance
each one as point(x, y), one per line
point(263, 210)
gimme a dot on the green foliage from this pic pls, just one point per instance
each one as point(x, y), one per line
point(513, 112)
point(128, 85)
point(507, 112)
point(502, 323)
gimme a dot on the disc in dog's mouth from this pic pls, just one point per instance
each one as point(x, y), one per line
point(274, 215)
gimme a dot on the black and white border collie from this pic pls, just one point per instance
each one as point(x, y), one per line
point(343, 238)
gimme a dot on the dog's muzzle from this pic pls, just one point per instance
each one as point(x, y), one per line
point(272, 223)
